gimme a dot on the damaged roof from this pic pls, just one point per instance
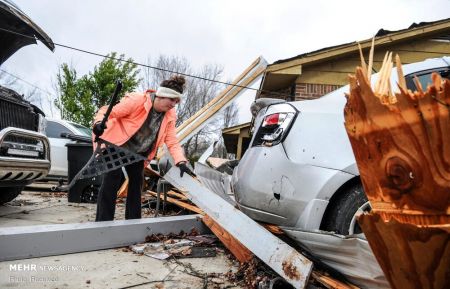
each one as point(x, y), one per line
point(381, 33)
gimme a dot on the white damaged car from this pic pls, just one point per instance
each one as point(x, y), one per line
point(300, 171)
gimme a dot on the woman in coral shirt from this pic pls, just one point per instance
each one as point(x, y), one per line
point(141, 123)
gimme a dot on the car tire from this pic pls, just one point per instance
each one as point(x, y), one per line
point(340, 216)
point(9, 194)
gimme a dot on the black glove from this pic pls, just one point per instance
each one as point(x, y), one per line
point(98, 128)
point(184, 169)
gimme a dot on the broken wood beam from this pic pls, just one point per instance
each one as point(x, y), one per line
point(282, 258)
point(401, 146)
point(178, 195)
point(274, 229)
point(330, 282)
point(221, 94)
point(197, 121)
point(241, 252)
point(123, 190)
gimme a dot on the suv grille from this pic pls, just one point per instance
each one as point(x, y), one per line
point(17, 112)
point(17, 115)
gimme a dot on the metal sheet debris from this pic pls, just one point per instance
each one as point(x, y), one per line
point(350, 255)
point(47, 240)
point(215, 181)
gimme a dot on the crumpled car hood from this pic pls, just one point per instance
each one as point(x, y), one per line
point(12, 18)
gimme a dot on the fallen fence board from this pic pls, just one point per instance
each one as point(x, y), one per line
point(278, 255)
point(48, 240)
point(237, 249)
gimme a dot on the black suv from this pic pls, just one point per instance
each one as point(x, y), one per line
point(24, 149)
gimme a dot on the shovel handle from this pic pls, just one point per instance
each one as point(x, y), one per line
point(112, 103)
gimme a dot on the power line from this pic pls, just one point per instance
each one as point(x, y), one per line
point(153, 67)
point(25, 81)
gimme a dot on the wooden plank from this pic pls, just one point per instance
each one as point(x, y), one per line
point(236, 248)
point(181, 204)
point(331, 283)
point(122, 193)
point(274, 229)
point(282, 258)
point(201, 119)
point(178, 195)
point(221, 94)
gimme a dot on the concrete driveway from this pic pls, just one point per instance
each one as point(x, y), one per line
point(113, 268)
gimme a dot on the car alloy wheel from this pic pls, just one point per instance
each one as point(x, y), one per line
point(354, 227)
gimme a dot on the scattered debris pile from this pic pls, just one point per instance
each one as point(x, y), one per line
point(189, 246)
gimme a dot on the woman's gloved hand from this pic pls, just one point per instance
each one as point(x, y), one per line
point(98, 128)
point(185, 169)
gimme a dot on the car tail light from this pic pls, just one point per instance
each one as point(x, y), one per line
point(273, 128)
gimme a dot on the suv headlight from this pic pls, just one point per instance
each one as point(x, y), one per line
point(42, 124)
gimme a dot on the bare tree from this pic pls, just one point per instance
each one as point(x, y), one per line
point(34, 96)
point(7, 79)
point(37, 96)
point(230, 115)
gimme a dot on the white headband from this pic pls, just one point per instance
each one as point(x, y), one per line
point(167, 92)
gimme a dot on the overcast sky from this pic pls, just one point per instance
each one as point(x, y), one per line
point(230, 33)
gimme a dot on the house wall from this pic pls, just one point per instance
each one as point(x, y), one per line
point(280, 94)
point(310, 91)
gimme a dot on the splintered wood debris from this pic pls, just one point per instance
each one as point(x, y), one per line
point(400, 141)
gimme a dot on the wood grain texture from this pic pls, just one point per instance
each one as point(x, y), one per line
point(180, 203)
point(123, 190)
point(410, 256)
point(331, 283)
point(403, 148)
point(401, 144)
point(236, 248)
